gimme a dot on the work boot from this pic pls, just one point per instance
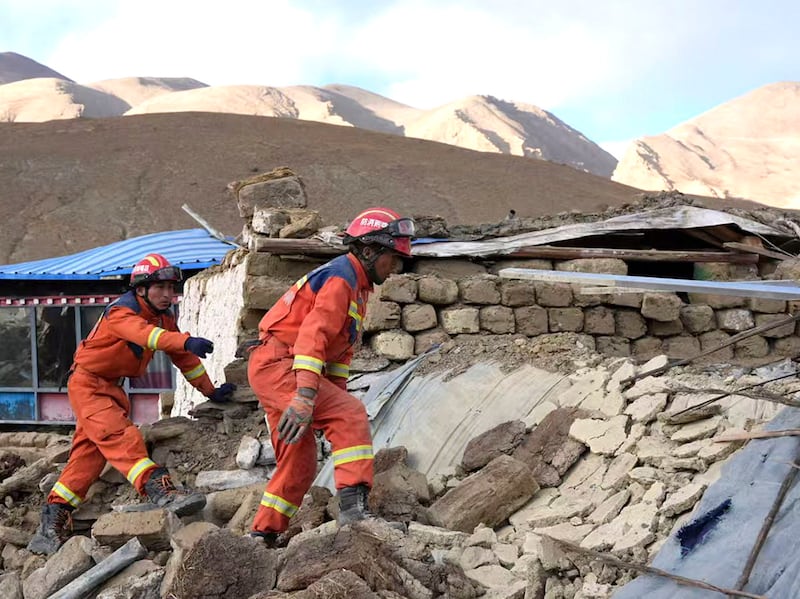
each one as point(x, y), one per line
point(55, 527)
point(269, 539)
point(353, 505)
point(161, 491)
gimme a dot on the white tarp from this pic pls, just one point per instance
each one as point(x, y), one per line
point(681, 217)
point(435, 419)
point(750, 482)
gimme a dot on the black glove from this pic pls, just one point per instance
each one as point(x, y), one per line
point(222, 393)
point(199, 346)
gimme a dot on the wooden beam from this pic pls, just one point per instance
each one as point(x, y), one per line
point(743, 247)
point(314, 247)
point(571, 253)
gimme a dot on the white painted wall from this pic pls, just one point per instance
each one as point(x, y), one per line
point(211, 308)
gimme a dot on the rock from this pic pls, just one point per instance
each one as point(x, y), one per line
point(602, 436)
point(502, 439)
point(488, 496)
point(249, 568)
point(548, 450)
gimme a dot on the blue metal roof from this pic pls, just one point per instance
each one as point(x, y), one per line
point(189, 249)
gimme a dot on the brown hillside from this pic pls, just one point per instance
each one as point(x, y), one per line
point(71, 185)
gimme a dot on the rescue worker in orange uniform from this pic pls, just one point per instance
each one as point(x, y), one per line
point(120, 345)
point(300, 368)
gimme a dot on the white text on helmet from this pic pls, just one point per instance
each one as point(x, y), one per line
point(374, 222)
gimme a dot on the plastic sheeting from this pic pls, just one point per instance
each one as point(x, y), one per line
point(750, 481)
point(435, 419)
point(680, 217)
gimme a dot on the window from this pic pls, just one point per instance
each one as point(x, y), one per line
point(55, 343)
point(37, 349)
point(16, 368)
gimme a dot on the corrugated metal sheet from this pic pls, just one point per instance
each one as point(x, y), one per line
point(190, 249)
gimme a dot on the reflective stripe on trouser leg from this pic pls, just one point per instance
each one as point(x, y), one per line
point(274, 384)
point(84, 465)
point(139, 468)
point(107, 434)
point(62, 491)
point(343, 419)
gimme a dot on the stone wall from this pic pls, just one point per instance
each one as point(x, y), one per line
point(443, 298)
point(446, 298)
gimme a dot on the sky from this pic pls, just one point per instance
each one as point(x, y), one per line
point(615, 70)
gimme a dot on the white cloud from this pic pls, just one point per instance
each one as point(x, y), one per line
point(597, 65)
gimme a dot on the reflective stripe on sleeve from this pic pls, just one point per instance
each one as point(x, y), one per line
point(67, 495)
point(300, 282)
point(352, 454)
point(278, 504)
point(153, 337)
point(307, 363)
point(138, 468)
point(353, 312)
point(337, 369)
point(194, 373)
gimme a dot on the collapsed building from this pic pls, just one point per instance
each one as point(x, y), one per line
point(529, 411)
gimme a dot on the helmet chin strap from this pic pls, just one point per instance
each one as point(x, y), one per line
point(369, 263)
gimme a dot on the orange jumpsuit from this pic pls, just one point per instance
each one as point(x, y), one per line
point(307, 340)
point(120, 345)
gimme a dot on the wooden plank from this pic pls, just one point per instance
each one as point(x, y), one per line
point(571, 253)
point(313, 247)
point(724, 232)
point(734, 288)
point(743, 247)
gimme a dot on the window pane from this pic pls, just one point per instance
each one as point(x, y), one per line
point(55, 343)
point(15, 350)
point(158, 374)
point(89, 317)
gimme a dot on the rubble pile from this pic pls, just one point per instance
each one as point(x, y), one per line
point(610, 469)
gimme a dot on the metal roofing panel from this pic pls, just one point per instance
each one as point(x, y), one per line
point(190, 249)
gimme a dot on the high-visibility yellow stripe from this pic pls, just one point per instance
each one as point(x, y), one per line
point(337, 369)
point(67, 495)
point(138, 468)
point(152, 339)
point(279, 504)
point(195, 372)
point(301, 281)
point(307, 363)
point(352, 454)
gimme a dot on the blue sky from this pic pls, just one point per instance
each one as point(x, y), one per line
point(613, 69)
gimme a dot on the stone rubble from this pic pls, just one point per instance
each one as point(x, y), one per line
point(616, 480)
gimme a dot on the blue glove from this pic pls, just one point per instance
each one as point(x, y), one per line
point(199, 346)
point(222, 393)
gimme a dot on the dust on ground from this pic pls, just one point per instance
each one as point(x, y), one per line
point(556, 352)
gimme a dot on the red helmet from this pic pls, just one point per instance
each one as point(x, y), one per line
point(153, 268)
point(382, 226)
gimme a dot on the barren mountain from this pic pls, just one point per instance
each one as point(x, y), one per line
point(135, 90)
point(487, 124)
point(67, 186)
point(480, 123)
point(748, 148)
point(45, 99)
point(15, 67)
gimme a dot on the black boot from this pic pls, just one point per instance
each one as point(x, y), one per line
point(353, 504)
point(269, 539)
point(55, 527)
point(161, 491)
